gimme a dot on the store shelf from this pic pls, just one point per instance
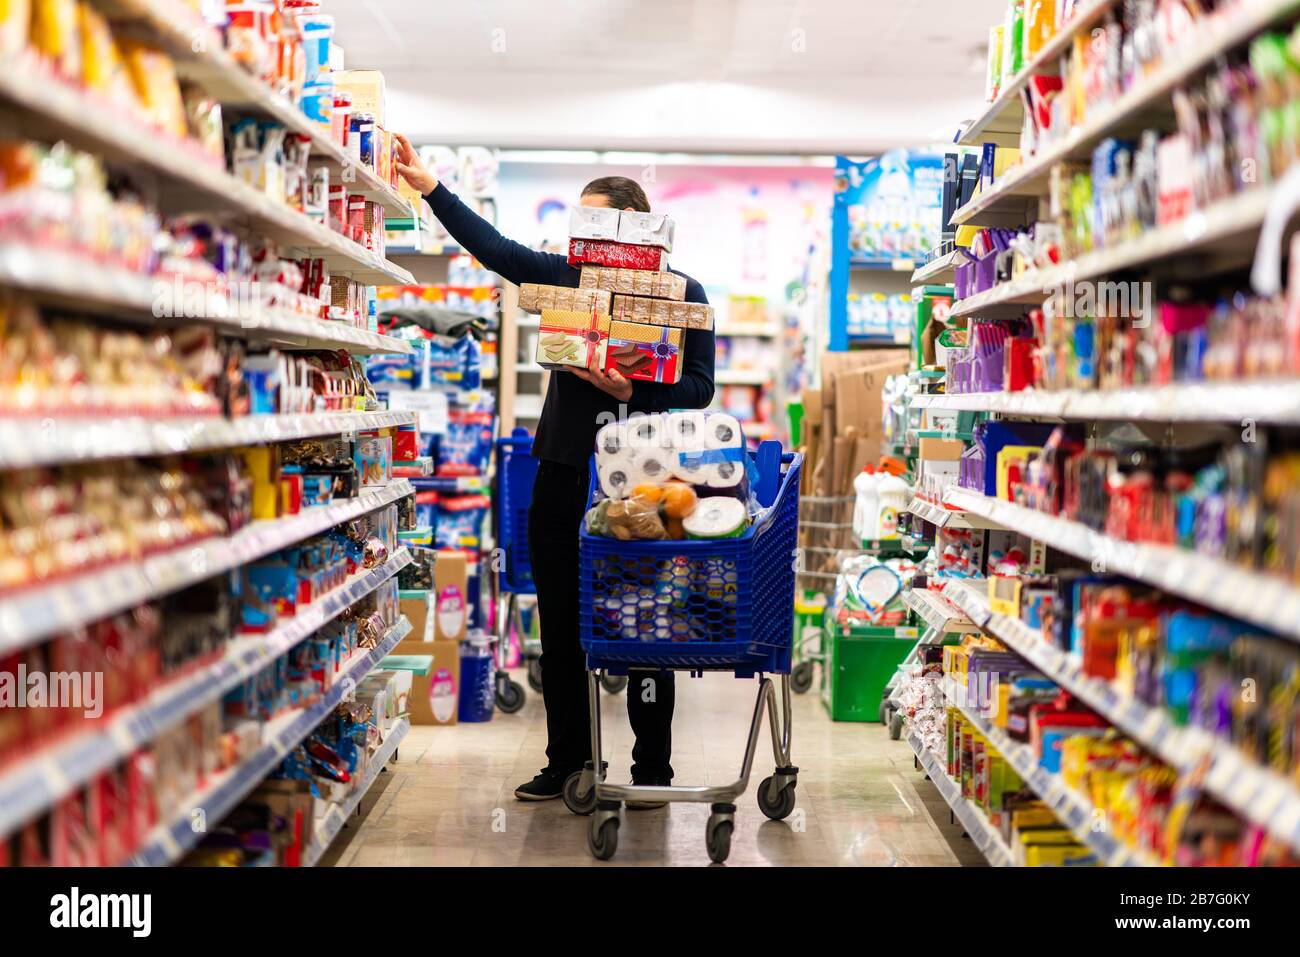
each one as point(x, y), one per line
point(35, 784)
point(1071, 808)
point(948, 517)
point(35, 613)
point(1214, 232)
point(1003, 118)
point(206, 807)
point(56, 440)
point(1257, 793)
point(1267, 402)
point(1264, 600)
point(883, 264)
point(982, 834)
point(79, 282)
point(192, 182)
point(1143, 104)
point(201, 57)
point(939, 270)
point(937, 612)
point(742, 377)
point(327, 829)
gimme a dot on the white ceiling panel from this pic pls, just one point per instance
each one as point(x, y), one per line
point(731, 75)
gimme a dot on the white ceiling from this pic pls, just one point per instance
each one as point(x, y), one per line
point(790, 76)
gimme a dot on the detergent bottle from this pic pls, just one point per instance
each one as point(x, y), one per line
point(867, 505)
point(892, 495)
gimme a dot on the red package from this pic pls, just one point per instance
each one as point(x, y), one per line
point(604, 252)
point(406, 444)
point(141, 776)
point(356, 228)
point(73, 842)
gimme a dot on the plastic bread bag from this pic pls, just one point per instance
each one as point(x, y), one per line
point(635, 518)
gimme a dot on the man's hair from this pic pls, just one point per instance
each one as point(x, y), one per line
point(622, 193)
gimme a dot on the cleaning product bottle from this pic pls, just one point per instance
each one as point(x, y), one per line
point(867, 505)
point(892, 494)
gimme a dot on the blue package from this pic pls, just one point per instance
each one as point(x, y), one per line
point(466, 447)
point(460, 519)
point(396, 369)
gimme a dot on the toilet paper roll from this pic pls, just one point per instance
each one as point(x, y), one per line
point(685, 430)
point(610, 440)
point(722, 431)
point(644, 431)
point(724, 474)
point(618, 475)
point(716, 518)
point(652, 465)
point(689, 470)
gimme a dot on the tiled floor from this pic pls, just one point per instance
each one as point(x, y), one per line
point(448, 800)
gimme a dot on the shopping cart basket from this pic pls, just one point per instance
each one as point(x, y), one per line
point(515, 473)
point(701, 605)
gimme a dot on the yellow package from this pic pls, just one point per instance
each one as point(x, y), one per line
point(102, 69)
point(156, 87)
point(54, 36)
point(1040, 26)
point(15, 26)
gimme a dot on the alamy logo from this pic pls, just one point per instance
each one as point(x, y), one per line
point(74, 690)
point(131, 911)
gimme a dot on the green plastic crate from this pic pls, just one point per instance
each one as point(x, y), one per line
point(857, 668)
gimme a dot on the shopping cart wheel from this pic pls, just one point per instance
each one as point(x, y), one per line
point(777, 804)
point(602, 836)
point(717, 833)
point(510, 694)
point(613, 683)
point(895, 725)
point(883, 713)
point(801, 677)
point(535, 674)
point(576, 799)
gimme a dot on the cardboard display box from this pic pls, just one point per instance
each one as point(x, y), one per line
point(367, 89)
point(843, 424)
point(434, 698)
point(450, 597)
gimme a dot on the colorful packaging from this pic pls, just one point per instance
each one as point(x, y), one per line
point(634, 282)
point(663, 312)
point(374, 460)
point(649, 353)
point(466, 447)
point(534, 297)
point(568, 338)
point(459, 521)
point(620, 255)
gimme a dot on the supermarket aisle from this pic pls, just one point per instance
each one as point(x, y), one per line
point(448, 800)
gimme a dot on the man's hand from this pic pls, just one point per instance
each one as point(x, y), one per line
point(412, 168)
point(613, 382)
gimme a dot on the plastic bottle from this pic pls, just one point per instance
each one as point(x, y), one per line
point(892, 493)
point(867, 506)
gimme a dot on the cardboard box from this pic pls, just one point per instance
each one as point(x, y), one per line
point(450, 596)
point(435, 697)
point(947, 450)
point(571, 338)
point(634, 282)
point(367, 89)
point(646, 229)
point(649, 353)
point(662, 312)
point(593, 222)
point(599, 252)
point(416, 611)
point(534, 297)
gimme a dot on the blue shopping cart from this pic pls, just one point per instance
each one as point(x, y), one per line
point(722, 604)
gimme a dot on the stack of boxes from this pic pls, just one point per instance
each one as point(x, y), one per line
point(627, 314)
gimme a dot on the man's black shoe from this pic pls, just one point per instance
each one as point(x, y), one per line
point(545, 787)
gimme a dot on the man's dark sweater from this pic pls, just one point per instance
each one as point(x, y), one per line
point(576, 409)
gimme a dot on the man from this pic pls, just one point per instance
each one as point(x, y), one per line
point(578, 402)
